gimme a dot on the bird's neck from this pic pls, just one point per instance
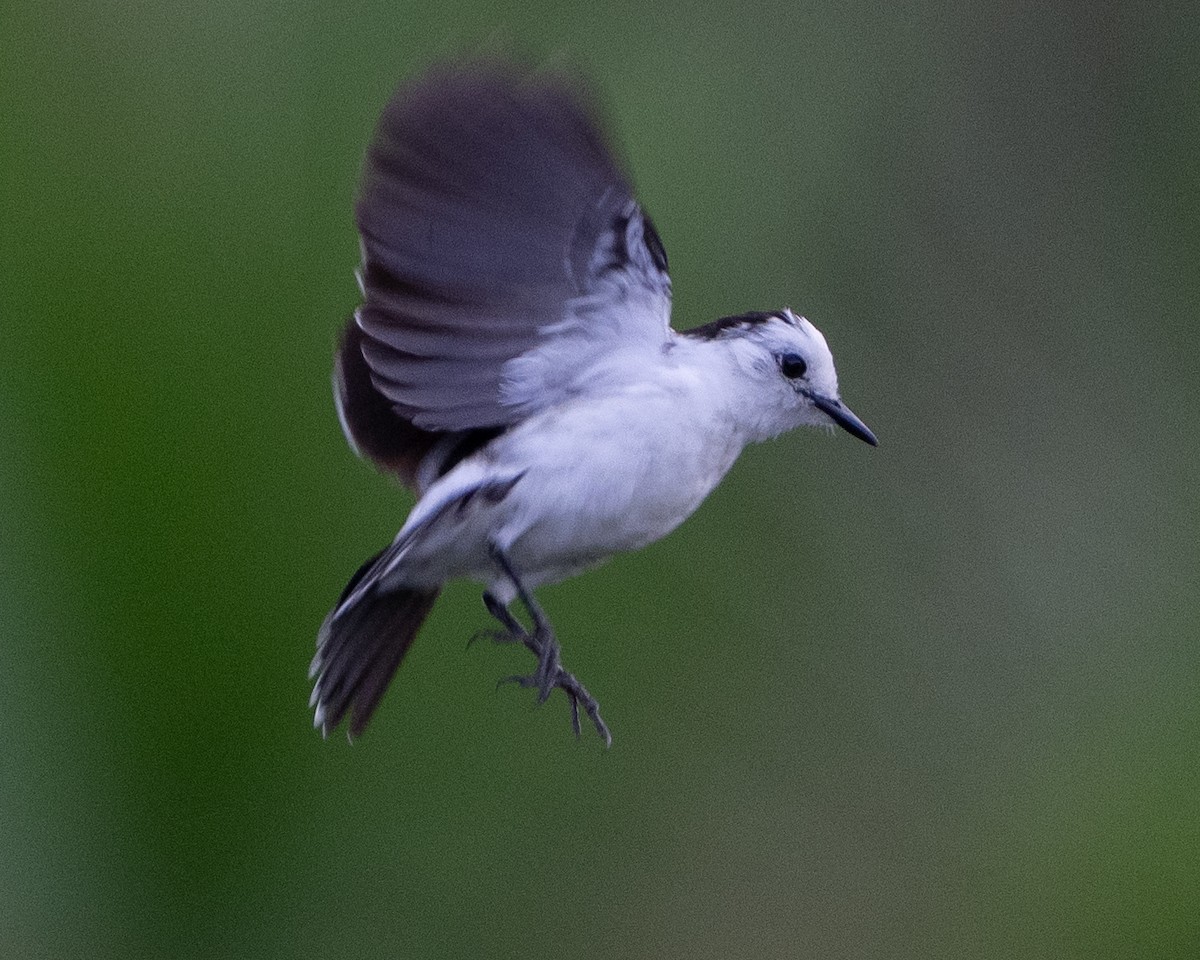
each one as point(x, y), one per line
point(725, 392)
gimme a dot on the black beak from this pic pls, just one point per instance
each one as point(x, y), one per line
point(841, 414)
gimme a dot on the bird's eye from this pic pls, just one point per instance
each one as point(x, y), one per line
point(793, 365)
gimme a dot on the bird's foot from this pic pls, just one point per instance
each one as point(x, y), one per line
point(541, 643)
point(498, 636)
point(551, 674)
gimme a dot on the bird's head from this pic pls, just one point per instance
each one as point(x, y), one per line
point(789, 364)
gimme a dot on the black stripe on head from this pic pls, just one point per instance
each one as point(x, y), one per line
point(727, 326)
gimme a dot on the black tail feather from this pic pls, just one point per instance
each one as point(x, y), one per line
point(359, 649)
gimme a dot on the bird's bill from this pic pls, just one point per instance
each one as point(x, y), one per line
point(844, 417)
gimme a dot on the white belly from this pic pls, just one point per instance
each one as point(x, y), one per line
point(595, 479)
point(606, 480)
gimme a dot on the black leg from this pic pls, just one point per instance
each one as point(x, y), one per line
point(514, 631)
point(542, 643)
point(501, 613)
point(540, 623)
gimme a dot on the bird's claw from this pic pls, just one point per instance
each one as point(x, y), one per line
point(549, 675)
point(541, 643)
point(496, 636)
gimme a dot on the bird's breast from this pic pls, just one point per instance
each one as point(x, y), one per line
point(609, 475)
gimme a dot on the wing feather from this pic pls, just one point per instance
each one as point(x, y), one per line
point(503, 251)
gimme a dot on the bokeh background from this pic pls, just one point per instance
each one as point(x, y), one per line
point(939, 699)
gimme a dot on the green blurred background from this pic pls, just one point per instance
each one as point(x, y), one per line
point(939, 699)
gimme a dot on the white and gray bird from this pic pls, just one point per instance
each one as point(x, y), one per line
point(513, 363)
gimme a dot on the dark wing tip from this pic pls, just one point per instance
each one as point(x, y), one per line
point(489, 195)
point(369, 419)
point(483, 121)
point(491, 211)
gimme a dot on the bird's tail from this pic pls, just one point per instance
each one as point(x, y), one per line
point(359, 647)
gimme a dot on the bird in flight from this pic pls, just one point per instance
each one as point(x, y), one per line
point(513, 363)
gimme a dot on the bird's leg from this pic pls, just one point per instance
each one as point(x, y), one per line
point(542, 643)
point(514, 631)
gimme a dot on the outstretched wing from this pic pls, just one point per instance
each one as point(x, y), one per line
point(504, 256)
